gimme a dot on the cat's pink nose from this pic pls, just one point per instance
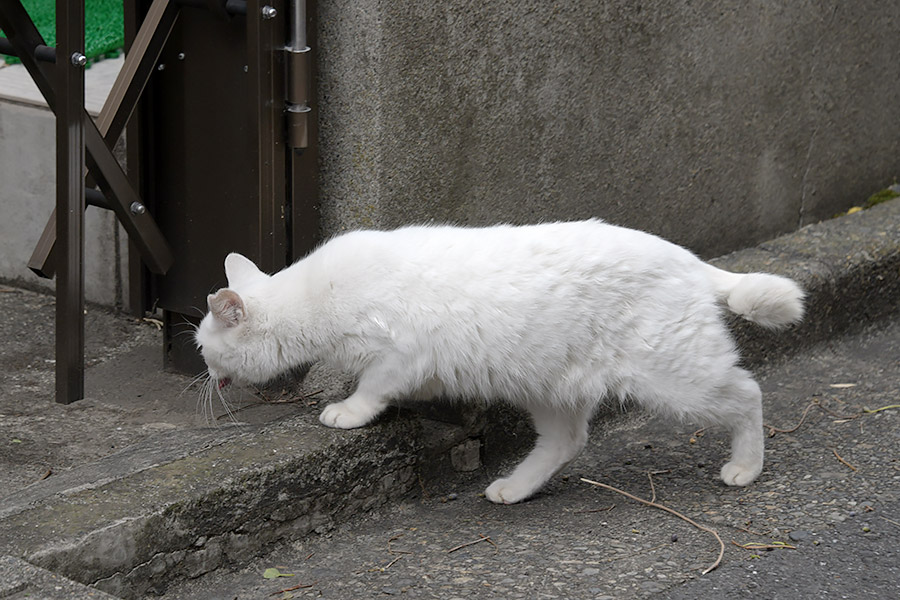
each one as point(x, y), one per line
point(224, 382)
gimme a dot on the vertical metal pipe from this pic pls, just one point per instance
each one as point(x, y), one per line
point(70, 200)
point(298, 78)
point(298, 25)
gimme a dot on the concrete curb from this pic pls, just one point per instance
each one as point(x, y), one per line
point(136, 531)
point(18, 579)
point(185, 503)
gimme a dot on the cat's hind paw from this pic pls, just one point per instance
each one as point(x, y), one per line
point(508, 491)
point(341, 416)
point(734, 473)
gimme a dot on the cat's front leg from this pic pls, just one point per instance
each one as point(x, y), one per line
point(378, 384)
point(562, 435)
point(356, 411)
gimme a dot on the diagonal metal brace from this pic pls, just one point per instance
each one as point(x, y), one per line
point(100, 161)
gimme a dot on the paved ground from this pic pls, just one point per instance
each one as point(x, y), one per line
point(128, 395)
point(579, 541)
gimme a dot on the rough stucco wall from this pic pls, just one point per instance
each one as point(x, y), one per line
point(714, 123)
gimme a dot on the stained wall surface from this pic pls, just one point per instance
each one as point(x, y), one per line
point(716, 124)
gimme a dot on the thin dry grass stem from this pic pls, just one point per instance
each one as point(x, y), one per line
point(263, 400)
point(817, 403)
point(838, 456)
point(774, 430)
point(759, 546)
point(750, 531)
point(633, 554)
point(483, 538)
point(154, 322)
point(391, 550)
point(652, 488)
point(891, 521)
point(871, 411)
point(491, 542)
point(595, 510)
point(301, 586)
point(670, 511)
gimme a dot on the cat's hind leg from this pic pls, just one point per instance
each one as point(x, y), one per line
point(562, 435)
point(742, 404)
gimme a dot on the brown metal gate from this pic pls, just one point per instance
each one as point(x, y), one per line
point(220, 150)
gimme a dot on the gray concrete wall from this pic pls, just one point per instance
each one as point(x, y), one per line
point(714, 123)
point(27, 197)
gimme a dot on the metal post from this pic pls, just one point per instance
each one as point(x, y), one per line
point(302, 131)
point(298, 25)
point(266, 71)
point(70, 200)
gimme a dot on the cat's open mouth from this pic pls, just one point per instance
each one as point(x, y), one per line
point(224, 382)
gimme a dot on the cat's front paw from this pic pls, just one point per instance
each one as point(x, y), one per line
point(341, 416)
point(507, 491)
point(734, 473)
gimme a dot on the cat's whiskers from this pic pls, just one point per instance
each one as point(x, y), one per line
point(201, 398)
point(186, 332)
point(194, 381)
point(224, 402)
point(205, 405)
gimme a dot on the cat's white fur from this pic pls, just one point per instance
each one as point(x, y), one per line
point(553, 318)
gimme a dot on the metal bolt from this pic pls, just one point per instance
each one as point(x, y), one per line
point(137, 208)
point(161, 67)
point(79, 59)
point(269, 12)
point(181, 56)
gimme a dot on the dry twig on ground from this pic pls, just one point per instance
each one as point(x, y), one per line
point(871, 411)
point(759, 546)
point(774, 430)
point(301, 586)
point(595, 510)
point(897, 523)
point(838, 456)
point(670, 511)
point(484, 538)
point(391, 550)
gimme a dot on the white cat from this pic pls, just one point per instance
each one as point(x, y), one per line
point(553, 318)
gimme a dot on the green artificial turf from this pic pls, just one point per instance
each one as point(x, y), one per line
point(104, 32)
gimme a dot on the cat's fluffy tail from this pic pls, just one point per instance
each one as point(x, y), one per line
point(768, 300)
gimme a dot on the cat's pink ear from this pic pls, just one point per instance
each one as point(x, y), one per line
point(241, 271)
point(227, 307)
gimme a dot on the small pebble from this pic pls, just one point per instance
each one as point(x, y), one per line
point(674, 537)
point(799, 536)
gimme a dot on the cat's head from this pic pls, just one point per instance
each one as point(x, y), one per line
point(233, 337)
